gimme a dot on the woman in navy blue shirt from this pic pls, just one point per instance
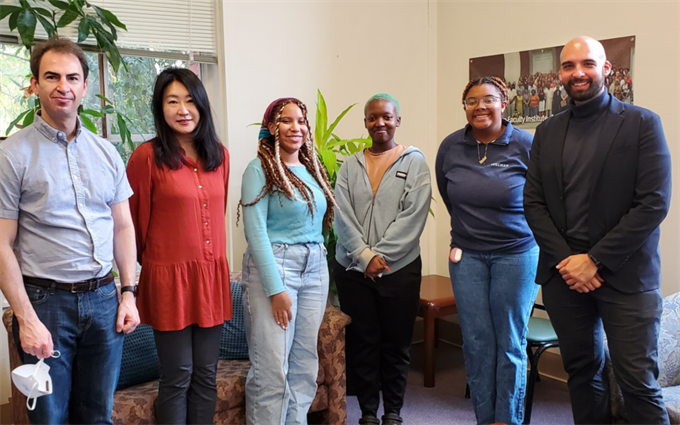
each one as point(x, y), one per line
point(481, 171)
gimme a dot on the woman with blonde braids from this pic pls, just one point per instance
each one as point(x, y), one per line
point(481, 171)
point(287, 202)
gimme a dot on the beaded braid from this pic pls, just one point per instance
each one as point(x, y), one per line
point(494, 81)
point(281, 180)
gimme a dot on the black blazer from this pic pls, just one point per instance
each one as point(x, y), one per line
point(630, 196)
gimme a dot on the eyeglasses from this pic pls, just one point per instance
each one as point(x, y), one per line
point(488, 101)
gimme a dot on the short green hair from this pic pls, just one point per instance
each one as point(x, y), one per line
point(383, 96)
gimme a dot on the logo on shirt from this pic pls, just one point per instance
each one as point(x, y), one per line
point(402, 174)
point(498, 164)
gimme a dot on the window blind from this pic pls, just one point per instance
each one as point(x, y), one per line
point(161, 25)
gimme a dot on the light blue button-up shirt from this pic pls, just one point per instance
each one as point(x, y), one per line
point(61, 194)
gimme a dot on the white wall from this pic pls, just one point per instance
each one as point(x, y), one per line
point(463, 34)
point(348, 50)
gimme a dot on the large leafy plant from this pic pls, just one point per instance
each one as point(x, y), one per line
point(94, 20)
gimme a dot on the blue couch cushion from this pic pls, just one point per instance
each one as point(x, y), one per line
point(140, 360)
point(233, 344)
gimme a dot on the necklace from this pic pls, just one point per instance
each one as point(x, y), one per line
point(481, 159)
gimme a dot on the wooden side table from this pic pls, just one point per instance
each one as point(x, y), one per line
point(436, 300)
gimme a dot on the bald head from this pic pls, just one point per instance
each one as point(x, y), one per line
point(582, 43)
point(583, 67)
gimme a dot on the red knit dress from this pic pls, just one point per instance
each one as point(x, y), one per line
point(181, 241)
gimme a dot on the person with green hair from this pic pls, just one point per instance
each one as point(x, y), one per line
point(382, 201)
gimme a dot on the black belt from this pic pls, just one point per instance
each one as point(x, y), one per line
point(74, 288)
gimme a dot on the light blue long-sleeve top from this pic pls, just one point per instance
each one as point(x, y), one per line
point(277, 219)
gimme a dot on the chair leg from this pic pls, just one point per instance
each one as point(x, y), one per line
point(531, 382)
point(530, 356)
point(429, 340)
point(436, 333)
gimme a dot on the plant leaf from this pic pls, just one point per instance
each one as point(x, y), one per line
point(83, 30)
point(107, 16)
point(59, 4)
point(49, 28)
point(68, 17)
point(16, 121)
point(87, 122)
point(6, 10)
point(106, 22)
point(28, 119)
point(26, 26)
point(337, 120)
point(122, 127)
point(321, 120)
point(92, 112)
point(105, 99)
point(328, 158)
point(108, 109)
point(13, 19)
point(43, 11)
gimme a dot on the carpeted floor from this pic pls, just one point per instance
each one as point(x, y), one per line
point(446, 404)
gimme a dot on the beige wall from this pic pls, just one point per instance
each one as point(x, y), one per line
point(348, 50)
point(472, 29)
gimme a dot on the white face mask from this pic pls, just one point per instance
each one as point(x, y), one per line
point(33, 380)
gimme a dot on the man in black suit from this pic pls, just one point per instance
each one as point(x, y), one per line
point(598, 187)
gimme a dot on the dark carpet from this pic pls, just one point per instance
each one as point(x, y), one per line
point(446, 404)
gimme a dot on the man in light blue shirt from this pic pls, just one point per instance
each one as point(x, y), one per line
point(64, 217)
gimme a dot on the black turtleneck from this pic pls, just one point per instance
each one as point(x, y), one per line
point(583, 134)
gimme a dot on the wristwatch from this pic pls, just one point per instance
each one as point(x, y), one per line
point(129, 288)
point(595, 260)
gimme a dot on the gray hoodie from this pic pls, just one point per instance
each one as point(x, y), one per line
point(388, 224)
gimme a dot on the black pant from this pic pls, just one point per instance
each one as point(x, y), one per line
point(378, 340)
point(631, 322)
point(187, 392)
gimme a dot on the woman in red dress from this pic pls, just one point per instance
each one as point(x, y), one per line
point(180, 181)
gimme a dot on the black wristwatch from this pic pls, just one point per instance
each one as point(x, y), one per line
point(129, 288)
point(595, 260)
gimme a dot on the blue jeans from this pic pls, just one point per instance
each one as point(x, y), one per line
point(85, 376)
point(281, 383)
point(494, 295)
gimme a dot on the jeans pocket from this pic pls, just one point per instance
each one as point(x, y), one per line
point(107, 291)
point(36, 294)
point(277, 248)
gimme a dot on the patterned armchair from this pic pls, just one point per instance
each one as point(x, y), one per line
point(134, 405)
point(669, 364)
